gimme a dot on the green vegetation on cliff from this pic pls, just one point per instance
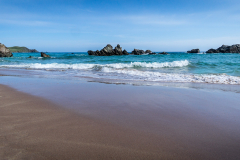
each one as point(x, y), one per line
point(17, 49)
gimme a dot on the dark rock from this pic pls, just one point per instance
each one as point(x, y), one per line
point(90, 52)
point(163, 53)
point(118, 50)
point(226, 49)
point(194, 51)
point(44, 55)
point(148, 51)
point(97, 53)
point(138, 52)
point(125, 52)
point(212, 51)
point(30, 57)
point(152, 53)
point(4, 51)
point(33, 51)
point(107, 51)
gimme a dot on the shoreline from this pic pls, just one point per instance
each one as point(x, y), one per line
point(75, 119)
point(28, 73)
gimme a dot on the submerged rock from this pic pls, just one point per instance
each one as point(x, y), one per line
point(226, 49)
point(153, 53)
point(163, 53)
point(194, 51)
point(4, 51)
point(44, 55)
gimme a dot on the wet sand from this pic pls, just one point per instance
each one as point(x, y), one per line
point(101, 121)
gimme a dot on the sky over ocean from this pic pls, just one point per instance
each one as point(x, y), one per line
point(80, 25)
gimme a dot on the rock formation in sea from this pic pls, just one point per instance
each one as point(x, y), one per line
point(226, 49)
point(138, 52)
point(125, 52)
point(4, 51)
point(17, 49)
point(163, 53)
point(148, 51)
point(109, 51)
point(194, 51)
point(44, 55)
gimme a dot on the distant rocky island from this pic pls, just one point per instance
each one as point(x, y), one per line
point(109, 51)
point(17, 49)
point(4, 51)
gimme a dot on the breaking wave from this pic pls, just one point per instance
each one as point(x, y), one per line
point(90, 66)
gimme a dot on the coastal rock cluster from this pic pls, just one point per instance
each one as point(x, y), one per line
point(4, 51)
point(109, 51)
point(194, 51)
point(226, 49)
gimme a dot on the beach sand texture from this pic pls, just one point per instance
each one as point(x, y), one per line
point(35, 128)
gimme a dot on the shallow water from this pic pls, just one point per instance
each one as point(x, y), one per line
point(175, 67)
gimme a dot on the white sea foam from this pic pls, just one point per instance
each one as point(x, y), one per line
point(130, 71)
point(173, 77)
point(150, 65)
point(91, 66)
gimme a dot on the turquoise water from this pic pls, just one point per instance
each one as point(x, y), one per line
point(175, 67)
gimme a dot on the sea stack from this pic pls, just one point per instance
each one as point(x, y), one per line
point(4, 51)
point(44, 55)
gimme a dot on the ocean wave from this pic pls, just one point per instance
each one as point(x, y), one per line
point(93, 66)
point(173, 77)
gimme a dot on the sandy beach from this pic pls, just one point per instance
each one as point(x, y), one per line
point(77, 121)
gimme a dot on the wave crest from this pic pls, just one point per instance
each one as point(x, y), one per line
point(94, 66)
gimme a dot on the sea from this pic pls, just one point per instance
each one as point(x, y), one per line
point(220, 68)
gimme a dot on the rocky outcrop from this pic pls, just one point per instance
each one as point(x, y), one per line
point(4, 51)
point(17, 49)
point(33, 51)
point(125, 52)
point(194, 51)
point(163, 53)
point(153, 53)
point(44, 55)
point(138, 52)
point(226, 49)
point(148, 51)
point(109, 51)
point(212, 51)
point(118, 50)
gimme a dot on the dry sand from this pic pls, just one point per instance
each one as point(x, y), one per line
point(35, 128)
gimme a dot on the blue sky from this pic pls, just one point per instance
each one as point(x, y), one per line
point(80, 25)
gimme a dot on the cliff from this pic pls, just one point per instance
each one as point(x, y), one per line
point(17, 49)
point(4, 51)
